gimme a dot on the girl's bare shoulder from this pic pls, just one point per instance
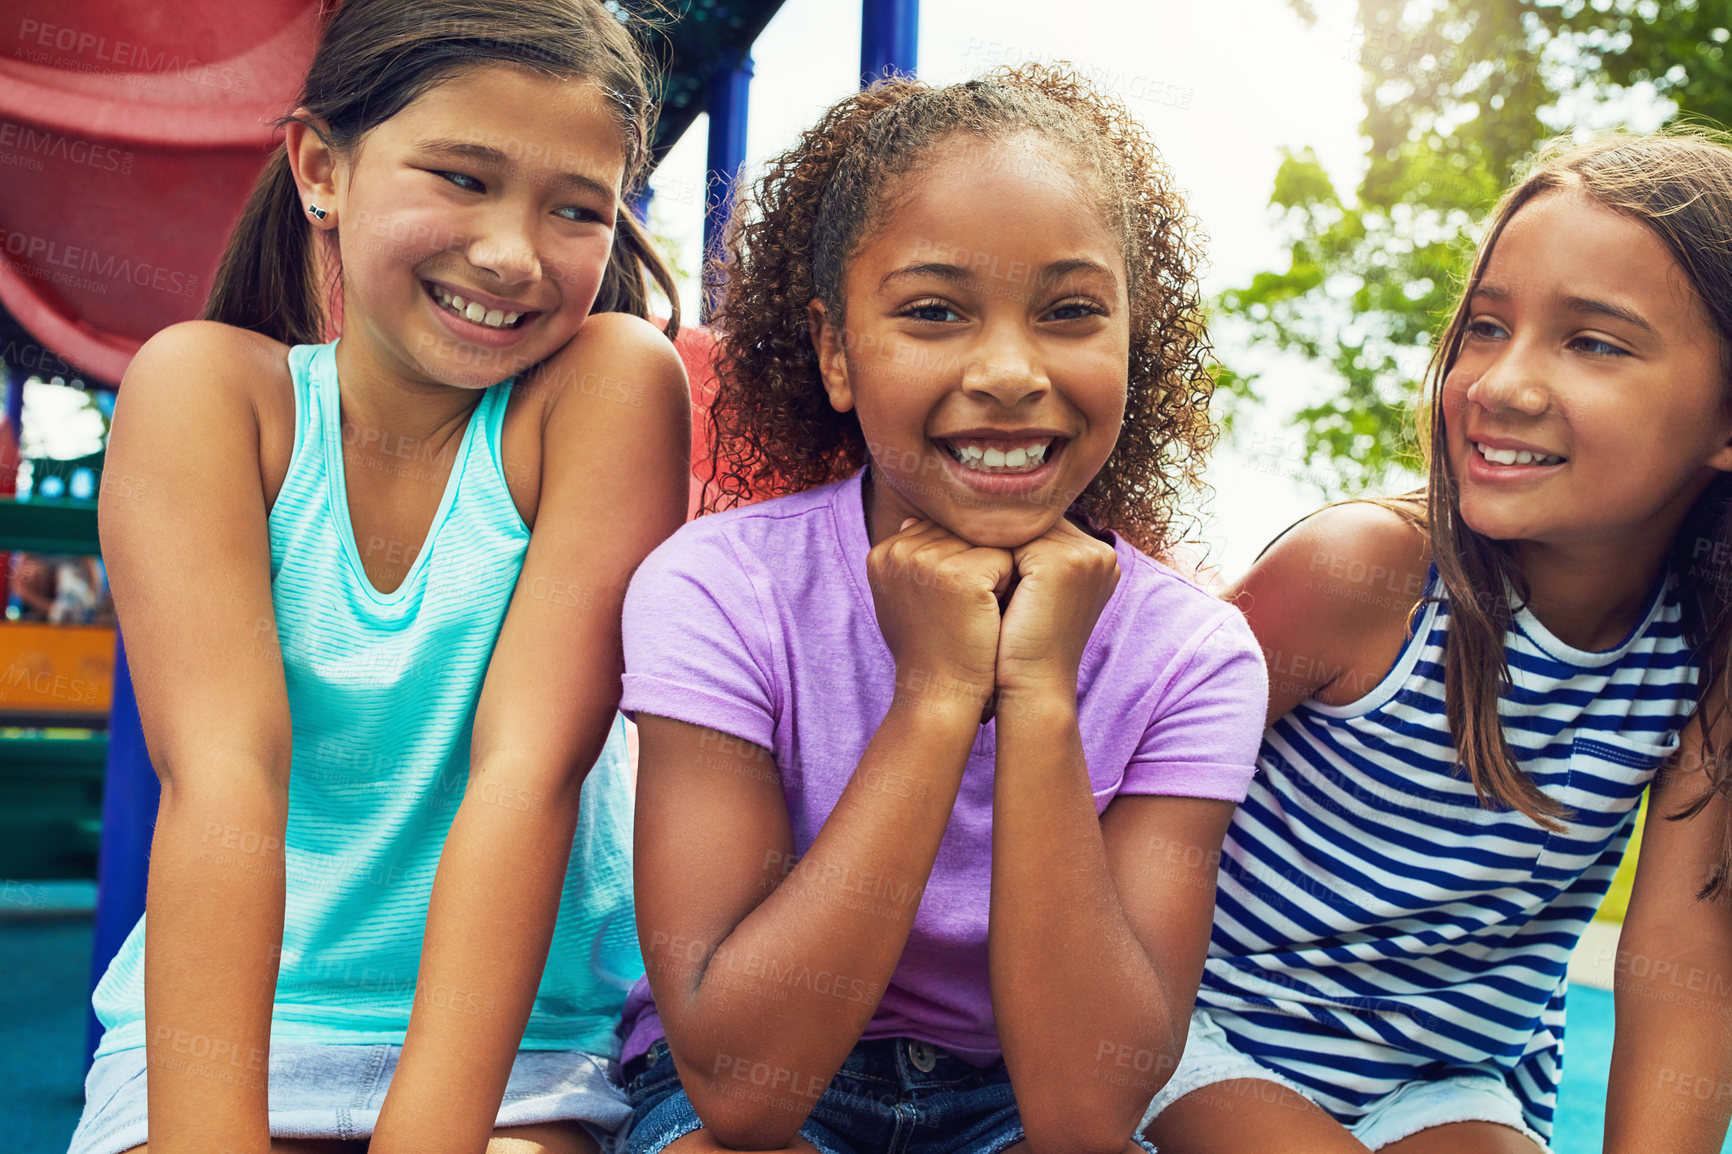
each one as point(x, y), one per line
point(616, 384)
point(1360, 552)
point(1330, 600)
point(204, 355)
point(210, 380)
point(614, 360)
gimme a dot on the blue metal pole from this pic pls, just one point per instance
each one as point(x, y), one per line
point(728, 95)
point(889, 37)
point(15, 377)
point(129, 798)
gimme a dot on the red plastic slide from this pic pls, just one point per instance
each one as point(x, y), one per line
point(130, 135)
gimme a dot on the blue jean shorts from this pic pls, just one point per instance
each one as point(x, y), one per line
point(891, 1096)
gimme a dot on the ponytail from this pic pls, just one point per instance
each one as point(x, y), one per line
point(267, 279)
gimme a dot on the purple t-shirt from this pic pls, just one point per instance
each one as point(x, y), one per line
point(758, 622)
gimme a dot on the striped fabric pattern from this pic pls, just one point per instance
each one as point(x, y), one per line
point(1376, 925)
point(382, 690)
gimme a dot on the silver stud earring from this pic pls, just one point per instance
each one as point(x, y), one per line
point(318, 213)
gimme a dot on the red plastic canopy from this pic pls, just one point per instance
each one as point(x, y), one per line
point(130, 135)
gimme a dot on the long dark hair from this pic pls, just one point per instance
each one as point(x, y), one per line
point(1679, 184)
point(374, 58)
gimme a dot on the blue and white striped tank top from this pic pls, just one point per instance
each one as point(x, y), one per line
point(382, 690)
point(1375, 925)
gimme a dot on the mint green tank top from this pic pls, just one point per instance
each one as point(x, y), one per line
point(382, 689)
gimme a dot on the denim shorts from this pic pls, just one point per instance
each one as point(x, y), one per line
point(892, 1095)
point(321, 1091)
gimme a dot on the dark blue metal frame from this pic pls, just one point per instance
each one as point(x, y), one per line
point(728, 100)
point(15, 378)
point(889, 38)
point(889, 42)
point(130, 795)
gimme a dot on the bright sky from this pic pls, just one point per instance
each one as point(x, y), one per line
point(1223, 87)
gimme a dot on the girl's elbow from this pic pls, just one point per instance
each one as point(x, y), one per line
point(193, 784)
point(747, 1103)
point(1096, 1115)
point(745, 1121)
point(1075, 1131)
point(1098, 1112)
point(508, 786)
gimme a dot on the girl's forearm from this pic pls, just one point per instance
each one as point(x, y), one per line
point(212, 941)
point(770, 1014)
point(1082, 1016)
point(490, 921)
point(1671, 1079)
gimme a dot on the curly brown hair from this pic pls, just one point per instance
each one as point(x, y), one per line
point(772, 429)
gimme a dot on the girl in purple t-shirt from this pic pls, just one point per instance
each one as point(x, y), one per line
point(936, 760)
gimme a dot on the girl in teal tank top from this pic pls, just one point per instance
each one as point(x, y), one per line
point(372, 609)
point(381, 692)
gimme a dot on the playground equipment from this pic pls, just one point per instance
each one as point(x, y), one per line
point(131, 136)
point(59, 676)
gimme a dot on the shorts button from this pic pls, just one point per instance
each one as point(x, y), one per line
point(924, 1056)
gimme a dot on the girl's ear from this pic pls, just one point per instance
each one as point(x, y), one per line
point(830, 343)
point(314, 165)
point(1722, 459)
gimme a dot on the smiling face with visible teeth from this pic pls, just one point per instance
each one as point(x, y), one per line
point(1010, 457)
point(985, 348)
point(474, 226)
point(473, 310)
point(1588, 404)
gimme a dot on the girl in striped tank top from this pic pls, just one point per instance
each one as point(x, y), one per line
point(372, 605)
point(1470, 690)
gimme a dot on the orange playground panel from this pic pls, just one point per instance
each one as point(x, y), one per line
point(58, 672)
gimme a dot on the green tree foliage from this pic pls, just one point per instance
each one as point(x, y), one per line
point(1458, 95)
point(1678, 47)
